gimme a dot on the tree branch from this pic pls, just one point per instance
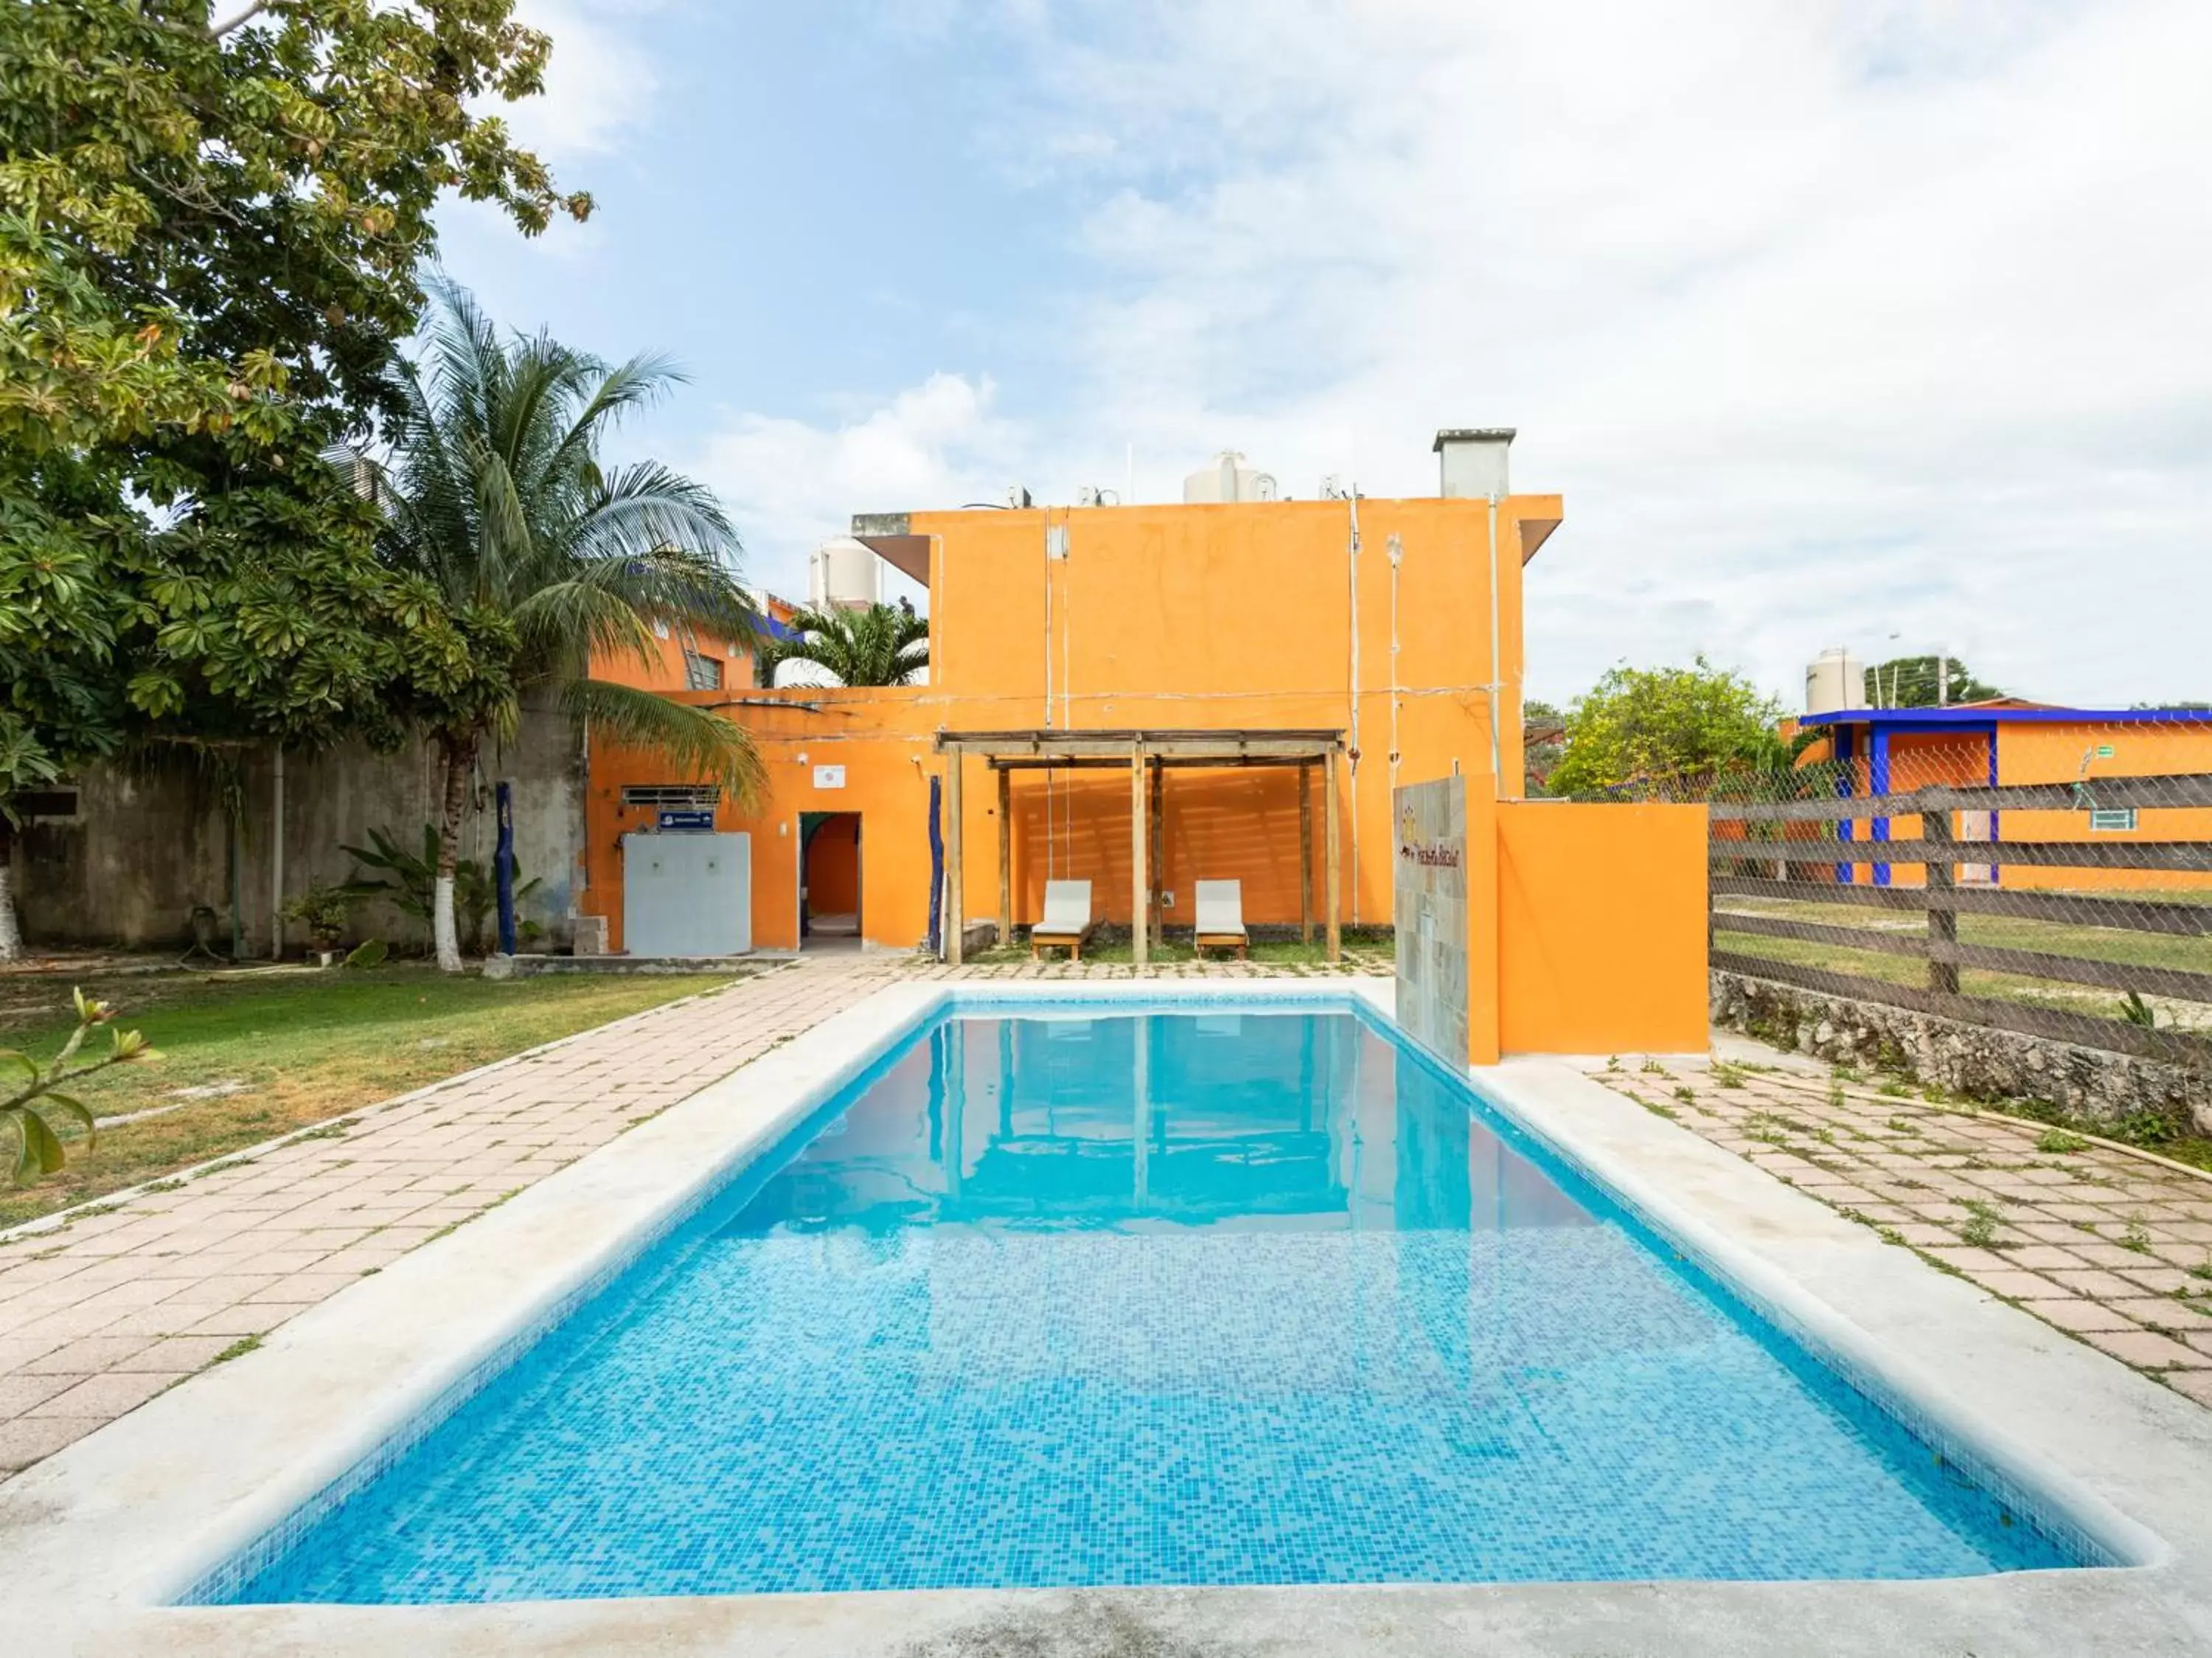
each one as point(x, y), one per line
point(215, 32)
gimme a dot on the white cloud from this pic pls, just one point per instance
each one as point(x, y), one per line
point(1831, 320)
point(599, 83)
point(790, 485)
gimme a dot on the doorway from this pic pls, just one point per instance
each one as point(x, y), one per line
point(829, 880)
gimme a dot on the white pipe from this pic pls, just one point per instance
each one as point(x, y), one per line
point(277, 862)
point(1496, 664)
point(1397, 552)
point(1352, 559)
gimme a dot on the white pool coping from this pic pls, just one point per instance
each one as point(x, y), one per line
point(99, 1538)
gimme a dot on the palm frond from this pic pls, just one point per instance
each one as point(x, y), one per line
point(692, 739)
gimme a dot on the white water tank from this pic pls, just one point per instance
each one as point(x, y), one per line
point(1227, 479)
point(846, 573)
point(1834, 680)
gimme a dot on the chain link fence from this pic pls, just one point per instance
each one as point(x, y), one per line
point(2044, 874)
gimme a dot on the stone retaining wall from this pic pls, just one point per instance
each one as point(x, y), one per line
point(1969, 1060)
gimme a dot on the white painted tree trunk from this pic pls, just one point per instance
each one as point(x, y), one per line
point(442, 930)
point(11, 936)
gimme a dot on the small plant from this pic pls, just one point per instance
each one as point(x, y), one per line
point(1652, 1068)
point(1685, 1093)
point(371, 952)
point(1845, 1073)
point(324, 911)
point(2059, 1142)
point(1726, 1075)
point(2203, 1268)
point(2136, 1011)
point(1981, 1228)
point(38, 1148)
point(1765, 1127)
point(2136, 1236)
point(1890, 1235)
point(1895, 1090)
point(1613, 1062)
point(1902, 1125)
point(1836, 1098)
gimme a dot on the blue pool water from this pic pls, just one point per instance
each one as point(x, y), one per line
point(1084, 1297)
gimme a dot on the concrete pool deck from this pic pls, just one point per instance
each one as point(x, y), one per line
point(102, 1533)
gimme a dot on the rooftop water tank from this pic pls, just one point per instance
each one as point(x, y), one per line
point(845, 573)
point(1834, 680)
point(1227, 479)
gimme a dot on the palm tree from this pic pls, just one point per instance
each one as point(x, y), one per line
point(881, 644)
point(548, 559)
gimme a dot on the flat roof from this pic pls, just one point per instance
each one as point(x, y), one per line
point(1973, 714)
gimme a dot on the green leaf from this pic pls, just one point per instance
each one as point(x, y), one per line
point(30, 1065)
point(77, 1109)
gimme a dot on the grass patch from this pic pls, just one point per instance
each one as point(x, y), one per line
point(1980, 1230)
point(2058, 1141)
point(307, 1047)
point(237, 1350)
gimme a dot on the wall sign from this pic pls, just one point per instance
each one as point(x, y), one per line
point(829, 777)
point(697, 822)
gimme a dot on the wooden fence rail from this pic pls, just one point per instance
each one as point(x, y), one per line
point(1938, 853)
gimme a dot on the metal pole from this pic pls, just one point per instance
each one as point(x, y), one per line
point(277, 861)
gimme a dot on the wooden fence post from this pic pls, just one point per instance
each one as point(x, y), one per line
point(1942, 918)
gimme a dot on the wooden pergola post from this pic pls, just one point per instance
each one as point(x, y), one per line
point(955, 924)
point(1005, 857)
point(1335, 936)
point(1139, 881)
point(1305, 854)
point(1158, 870)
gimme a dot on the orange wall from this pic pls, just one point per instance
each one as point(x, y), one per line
point(1167, 615)
point(1602, 928)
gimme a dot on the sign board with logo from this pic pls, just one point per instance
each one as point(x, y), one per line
point(700, 821)
point(1431, 915)
point(829, 777)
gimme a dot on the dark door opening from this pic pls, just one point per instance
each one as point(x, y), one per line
point(829, 880)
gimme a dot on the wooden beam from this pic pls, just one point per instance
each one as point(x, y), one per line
point(1138, 881)
point(1305, 855)
point(1942, 919)
point(1331, 930)
point(1116, 761)
point(1158, 834)
point(1006, 858)
point(2185, 854)
point(2135, 915)
point(954, 913)
point(2181, 788)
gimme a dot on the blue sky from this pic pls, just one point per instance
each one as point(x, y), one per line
point(1831, 319)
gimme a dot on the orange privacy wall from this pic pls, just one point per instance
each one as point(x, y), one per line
point(1602, 928)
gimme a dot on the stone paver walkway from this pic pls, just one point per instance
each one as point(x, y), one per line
point(129, 1297)
point(2112, 1248)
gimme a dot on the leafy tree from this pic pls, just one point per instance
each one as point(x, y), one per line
point(210, 233)
point(548, 560)
point(880, 644)
point(1544, 740)
point(1665, 727)
point(1918, 681)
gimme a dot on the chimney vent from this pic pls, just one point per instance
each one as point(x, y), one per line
point(1473, 461)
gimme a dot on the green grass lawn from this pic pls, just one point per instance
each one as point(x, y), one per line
point(279, 1050)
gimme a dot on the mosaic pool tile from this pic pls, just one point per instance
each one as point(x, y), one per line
point(1115, 1299)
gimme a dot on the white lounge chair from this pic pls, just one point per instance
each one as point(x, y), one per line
point(1066, 920)
point(1221, 917)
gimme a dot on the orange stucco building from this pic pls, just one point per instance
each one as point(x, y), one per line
point(1394, 624)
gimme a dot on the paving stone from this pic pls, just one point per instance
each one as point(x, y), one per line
point(2146, 1350)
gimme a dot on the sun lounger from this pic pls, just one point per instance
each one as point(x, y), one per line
point(1221, 915)
point(1067, 921)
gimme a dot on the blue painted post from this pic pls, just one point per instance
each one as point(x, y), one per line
point(1878, 783)
point(502, 866)
point(1997, 870)
point(936, 867)
point(1844, 872)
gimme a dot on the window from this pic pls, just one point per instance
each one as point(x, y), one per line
point(2115, 820)
point(702, 672)
point(678, 795)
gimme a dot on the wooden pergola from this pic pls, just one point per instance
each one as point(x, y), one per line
point(1148, 755)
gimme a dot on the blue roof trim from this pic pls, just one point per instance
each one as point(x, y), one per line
point(776, 630)
point(1944, 719)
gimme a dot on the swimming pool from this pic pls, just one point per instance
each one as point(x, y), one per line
point(1107, 1295)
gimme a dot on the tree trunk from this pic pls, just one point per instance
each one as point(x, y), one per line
point(457, 759)
point(11, 936)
